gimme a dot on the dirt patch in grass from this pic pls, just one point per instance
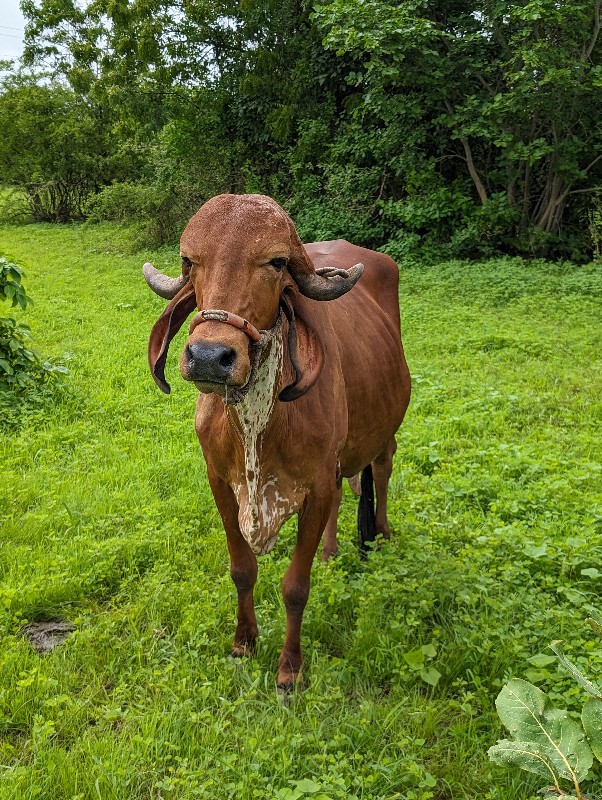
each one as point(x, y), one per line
point(45, 636)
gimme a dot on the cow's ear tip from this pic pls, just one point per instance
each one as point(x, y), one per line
point(290, 393)
point(162, 384)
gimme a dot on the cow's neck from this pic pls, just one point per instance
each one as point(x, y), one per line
point(250, 418)
point(252, 414)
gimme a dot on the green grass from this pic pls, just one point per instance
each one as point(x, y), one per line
point(107, 521)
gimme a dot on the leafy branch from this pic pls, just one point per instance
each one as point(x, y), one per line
point(11, 286)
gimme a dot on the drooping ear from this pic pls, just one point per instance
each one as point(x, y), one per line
point(164, 329)
point(305, 351)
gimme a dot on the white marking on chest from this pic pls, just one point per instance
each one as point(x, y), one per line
point(262, 509)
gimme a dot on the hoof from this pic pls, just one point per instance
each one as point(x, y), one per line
point(287, 689)
point(243, 650)
point(328, 554)
point(287, 684)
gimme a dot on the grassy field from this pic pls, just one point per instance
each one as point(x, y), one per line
point(107, 521)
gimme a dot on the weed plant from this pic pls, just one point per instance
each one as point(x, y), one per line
point(107, 521)
point(549, 741)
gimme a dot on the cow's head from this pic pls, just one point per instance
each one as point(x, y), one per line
point(240, 254)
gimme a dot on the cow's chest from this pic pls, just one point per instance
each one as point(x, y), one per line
point(263, 507)
point(266, 498)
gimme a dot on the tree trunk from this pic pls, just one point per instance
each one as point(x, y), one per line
point(551, 210)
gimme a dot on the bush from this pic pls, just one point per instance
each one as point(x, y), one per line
point(58, 163)
point(338, 202)
point(14, 207)
point(23, 372)
point(124, 203)
point(159, 213)
point(17, 360)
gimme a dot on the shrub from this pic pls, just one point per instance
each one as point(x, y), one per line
point(158, 213)
point(22, 369)
point(124, 203)
point(54, 148)
point(14, 207)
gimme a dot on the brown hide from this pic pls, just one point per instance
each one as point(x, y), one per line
point(338, 364)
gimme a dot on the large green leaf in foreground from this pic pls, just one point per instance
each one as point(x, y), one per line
point(591, 717)
point(546, 740)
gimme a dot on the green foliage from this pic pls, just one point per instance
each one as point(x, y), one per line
point(429, 130)
point(594, 220)
point(591, 718)
point(55, 147)
point(417, 660)
point(123, 203)
point(334, 206)
point(547, 741)
point(464, 107)
point(17, 360)
point(182, 172)
point(22, 369)
point(14, 207)
point(154, 210)
point(11, 287)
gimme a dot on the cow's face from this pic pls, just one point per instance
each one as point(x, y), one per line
point(240, 253)
point(237, 253)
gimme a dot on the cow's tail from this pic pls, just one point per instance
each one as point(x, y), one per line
point(366, 520)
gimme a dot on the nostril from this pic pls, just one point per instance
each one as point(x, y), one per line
point(227, 358)
point(209, 361)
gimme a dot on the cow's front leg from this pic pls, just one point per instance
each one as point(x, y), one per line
point(243, 570)
point(295, 585)
point(243, 567)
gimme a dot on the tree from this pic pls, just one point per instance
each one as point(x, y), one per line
point(448, 128)
point(55, 146)
point(499, 96)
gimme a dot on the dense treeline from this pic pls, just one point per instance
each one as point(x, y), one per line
point(423, 126)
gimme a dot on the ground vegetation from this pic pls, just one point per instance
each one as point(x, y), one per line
point(108, 525)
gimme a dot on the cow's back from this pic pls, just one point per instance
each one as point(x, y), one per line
point(381, 276)
point(366, 326)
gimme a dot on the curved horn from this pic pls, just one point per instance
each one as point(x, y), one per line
point(162, 284)
point(326, 283)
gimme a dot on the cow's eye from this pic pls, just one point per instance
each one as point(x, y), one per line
point(278, 263)
point(186, 262)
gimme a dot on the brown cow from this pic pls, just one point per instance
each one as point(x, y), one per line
point(294, 394)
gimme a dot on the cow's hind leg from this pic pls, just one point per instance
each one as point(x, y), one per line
point(375, 479)
point(243, 568)
point(382, 467)
point(330, 545)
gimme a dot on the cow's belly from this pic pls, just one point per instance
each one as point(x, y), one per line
point(263, 507)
